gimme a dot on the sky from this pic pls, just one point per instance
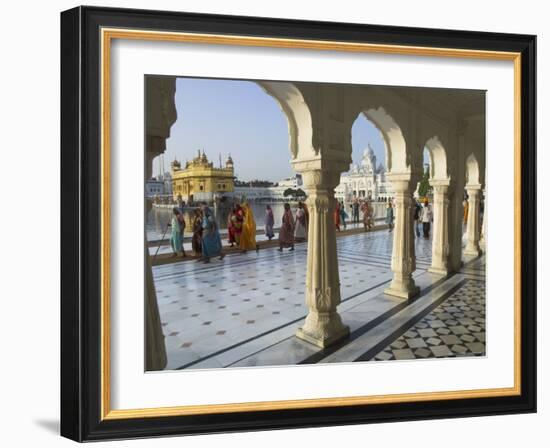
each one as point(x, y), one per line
point(239, 118)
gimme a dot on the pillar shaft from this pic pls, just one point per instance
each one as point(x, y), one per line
point(482, 238)
point(323, 325)
point(403, 261)
point(440, 240)
point(473, 224)
point(155, 348)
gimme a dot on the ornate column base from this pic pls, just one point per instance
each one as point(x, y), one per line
point(323, 329)
point(404, 288)
point(473, 251)
point(439, 271)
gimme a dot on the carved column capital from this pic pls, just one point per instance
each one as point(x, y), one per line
point(441, 185)
point(320, 179)
point(473, 189)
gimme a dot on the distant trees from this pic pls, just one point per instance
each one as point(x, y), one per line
point(424, 186)
point(253, 183)
point(289, 192)
point(295, 193)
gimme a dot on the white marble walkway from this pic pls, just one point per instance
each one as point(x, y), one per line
point(244, 310)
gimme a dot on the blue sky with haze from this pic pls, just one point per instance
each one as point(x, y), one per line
point(238, 117)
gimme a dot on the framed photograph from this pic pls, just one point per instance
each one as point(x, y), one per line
point(274, 223)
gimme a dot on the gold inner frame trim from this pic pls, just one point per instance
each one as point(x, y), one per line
point(107, 35)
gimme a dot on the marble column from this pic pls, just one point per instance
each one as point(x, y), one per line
point(323, 325)
point(482, 241)
point(440, 239)
point(403, 261)
point(155, 348)
point(473, 225)
point(160, 115)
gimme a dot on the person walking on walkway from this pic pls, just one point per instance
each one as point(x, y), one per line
point(389, 216)
point(230, 228)
point(367, 210)
point(178, 227)
point(196, 241)
point(286, 233)
point(181, 203)
point(417, 211)
point(336, 215)
point(211, 240)
point(300, 224)
point(343, 215)
point(248, 234)
point(235, 225)
point(426, 217)
point(269, 222)
point(355, 211)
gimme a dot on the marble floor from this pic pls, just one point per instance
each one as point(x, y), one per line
point(244, 310)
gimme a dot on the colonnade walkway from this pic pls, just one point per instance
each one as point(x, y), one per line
point(245, 309)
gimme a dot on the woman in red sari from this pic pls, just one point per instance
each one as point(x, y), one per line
point(336, 215)
point(196, 241)
point(235, 225)
point(230, 228)
point(286, 233)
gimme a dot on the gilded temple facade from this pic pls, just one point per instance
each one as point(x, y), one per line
point(199, 180)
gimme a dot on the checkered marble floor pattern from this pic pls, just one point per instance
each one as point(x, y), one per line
point(455, 328)
point(245, 309)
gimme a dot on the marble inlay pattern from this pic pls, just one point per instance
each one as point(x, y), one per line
point(453, 329)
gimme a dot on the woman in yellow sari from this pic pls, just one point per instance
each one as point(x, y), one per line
point(248, 233)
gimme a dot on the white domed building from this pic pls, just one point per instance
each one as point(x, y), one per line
point(365, 180)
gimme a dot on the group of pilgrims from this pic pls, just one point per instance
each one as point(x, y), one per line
point(206, 241)
point(365, 206)
point(241, 226)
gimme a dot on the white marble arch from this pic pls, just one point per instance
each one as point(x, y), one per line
point(297, 113)
point(392, 136)
point(438, 159)
point(440, 180)
point(472, 170)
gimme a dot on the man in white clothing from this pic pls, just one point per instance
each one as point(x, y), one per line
point(426, 217)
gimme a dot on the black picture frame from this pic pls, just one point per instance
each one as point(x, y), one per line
point(81, 224)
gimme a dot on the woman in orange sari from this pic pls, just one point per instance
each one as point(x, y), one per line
point(248, 234)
